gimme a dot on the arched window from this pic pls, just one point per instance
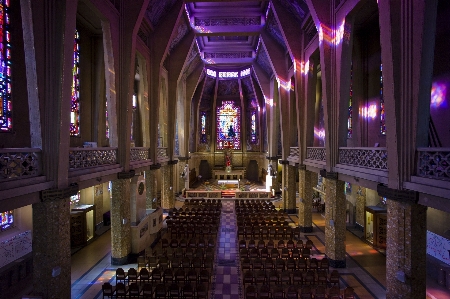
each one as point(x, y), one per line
point(203, 137)
point(382, 111)
point(228, 126)
point(350, 107)
point(6, 220)
point(5, 68)
point(75, 105)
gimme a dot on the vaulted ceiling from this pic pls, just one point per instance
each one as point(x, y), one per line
point(228, 32)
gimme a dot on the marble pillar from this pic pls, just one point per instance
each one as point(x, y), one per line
point(151, 186)
point(290, 196)
point(335, 216)
point(51, 248)
point(98, 203)
point(168, 197)
point(120, 222)
point(360, 207)
point(307, 180)
point(406, 250)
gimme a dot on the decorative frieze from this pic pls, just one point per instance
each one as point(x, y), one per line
point(316, 153)
point(53, 194)
point(407, 196)
point(91, 157)
point(369, 157)
point(235, 55)
point(223, 21)
point(139, 154)
point(19, 163)
point(434, 163)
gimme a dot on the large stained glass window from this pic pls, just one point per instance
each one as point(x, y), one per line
point(203, 138)
point(75, 107)
point(382, 111)
point(253, 136)
point(350, 107)
point(228, 126)
point(7, 220)
point(5, 68)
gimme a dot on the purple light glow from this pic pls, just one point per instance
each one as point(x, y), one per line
point(368, 111)
point(319, 133)
point(438, 95)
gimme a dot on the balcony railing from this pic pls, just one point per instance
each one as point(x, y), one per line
point(20, 163)
point(369, 157)
point(162, 154)
point(139, 154)
point(316, 153)
point(294, 155)
point(434, 163)
point(80, 158)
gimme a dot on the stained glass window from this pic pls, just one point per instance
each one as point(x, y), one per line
point(350, 107)
point(7, 220)
point(253, 126)
point(203, 138)
point(107, 122)
point(5, 68)
point(228, 126)
point(133, 117)
point(75, 107)
point(382, 111)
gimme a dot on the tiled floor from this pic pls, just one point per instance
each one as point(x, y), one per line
point(365, 272)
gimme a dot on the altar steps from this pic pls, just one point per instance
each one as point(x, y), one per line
point(228, 194)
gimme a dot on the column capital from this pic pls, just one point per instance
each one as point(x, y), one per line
point(155, 166)
point(172, 162)
point(329, 175)
point(406, 196)
point(126, 174)
point(53, 194)
point(284, 162)
point(187, 158)
point(274, 158)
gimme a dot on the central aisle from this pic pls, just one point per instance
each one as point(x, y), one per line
point(227, 283)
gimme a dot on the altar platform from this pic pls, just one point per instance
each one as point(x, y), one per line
point(234, 174)
point(223, 188)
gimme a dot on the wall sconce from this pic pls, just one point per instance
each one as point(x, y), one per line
point(170, 188)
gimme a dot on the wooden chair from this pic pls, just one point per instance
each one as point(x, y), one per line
point(160, 291)
point(144, 275)
point(250, 292)
point(201, 291)
point(174, 291)
point(334, 293)
point(156, 275)
point(132, 275)
point(292, 292)
point(264, 292)
point(188, 292)
point(147, 291)
point(121, 276)
point(273, 277)
point(108, 290)
point(248, 278)
point(278, 292)
point(320, 292)
point(141, 262)
point(134, 291)
point(121, 290)
point(334, 278)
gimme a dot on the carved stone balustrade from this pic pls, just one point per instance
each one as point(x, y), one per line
point(139, 154)
point(18, 163)
point(294, 155)
point(162, 154)
point(369, 157)
point(80, 158)
point(434, 163)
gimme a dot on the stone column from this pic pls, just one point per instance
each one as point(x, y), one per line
point(307, 180)
point(51, 248)
point(98, 203)
point(406, 250)
point(289, 195)
point(335, 208)
point(152, 189)
point(360, 205)
point(133, 200)
point(120, 222)
point(167, 200)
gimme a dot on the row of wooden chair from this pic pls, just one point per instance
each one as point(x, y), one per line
point(160, 290)
point(285, 264)
point(288, 277)
point(284, 253)
point(184, 243)
point(294, 292)
point(289, 244)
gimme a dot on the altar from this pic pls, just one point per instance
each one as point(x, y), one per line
point(228, 175)
point(229, 183)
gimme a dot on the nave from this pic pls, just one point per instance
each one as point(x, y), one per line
point(365, 271)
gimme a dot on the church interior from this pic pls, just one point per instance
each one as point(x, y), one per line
point(225, 149)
